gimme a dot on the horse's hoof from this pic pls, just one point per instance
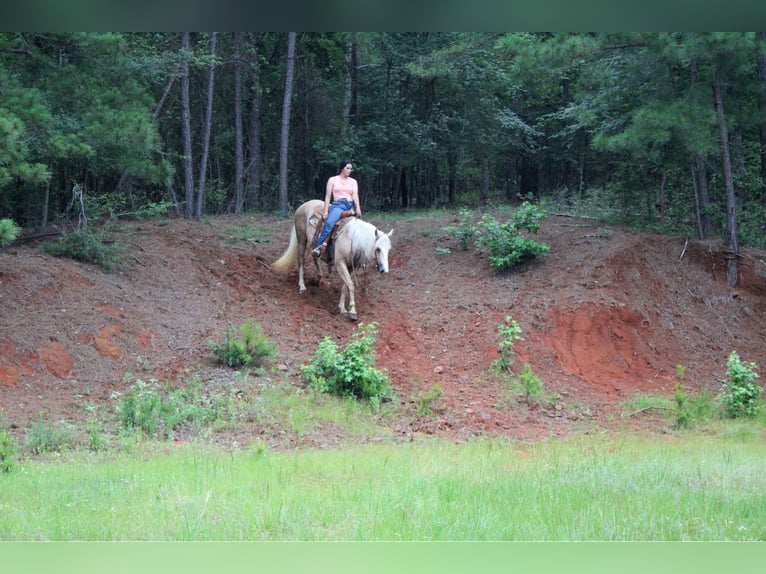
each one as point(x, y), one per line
point(349, 315)
point(301, 290)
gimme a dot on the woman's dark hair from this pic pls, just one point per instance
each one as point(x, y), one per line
point(343, 164)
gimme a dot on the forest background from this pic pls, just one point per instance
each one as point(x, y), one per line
point(665, 131)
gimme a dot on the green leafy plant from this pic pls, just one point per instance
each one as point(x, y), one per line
point(349, 371)
point(9, 231)
point(507, 248)
point(8, 452)
point(509, 333)
point(465, 231)
point(88, 247)
point(740, 394)
point(244, 347)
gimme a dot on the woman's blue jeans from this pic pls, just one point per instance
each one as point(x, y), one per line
point(333, 215)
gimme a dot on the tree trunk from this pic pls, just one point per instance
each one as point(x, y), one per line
point(348, 88)
point(285, 138)
point(700, 183)
point(732, 263)
point(186, 125)
point(761, 67)
point(239, 158)
point(208, 125)
point(254, 150)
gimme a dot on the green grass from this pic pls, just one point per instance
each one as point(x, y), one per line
point(584, 488)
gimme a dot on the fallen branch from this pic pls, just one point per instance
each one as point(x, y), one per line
point(659, 408)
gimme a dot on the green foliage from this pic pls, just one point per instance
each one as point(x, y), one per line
point(248, 346)
point(428, 398)
point(9, 231)
point(740, 394)
point(507, 248)
point(351, 371)
point(509, 332)
point(158, 411)
point(88, 247)
point(8, 452)
point(44, 437)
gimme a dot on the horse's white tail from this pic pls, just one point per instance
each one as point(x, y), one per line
point(290, 256)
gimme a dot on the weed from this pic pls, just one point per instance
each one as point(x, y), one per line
point(44, 437)
point(8, 452)
point(509, 333)
point(158, 410)
point(428, 398)
point(242, 348)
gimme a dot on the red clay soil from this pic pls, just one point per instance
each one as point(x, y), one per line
point(606, 315)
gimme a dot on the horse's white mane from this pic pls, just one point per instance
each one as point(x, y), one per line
point(362, 236)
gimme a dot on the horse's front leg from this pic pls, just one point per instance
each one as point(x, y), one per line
point(346, 291)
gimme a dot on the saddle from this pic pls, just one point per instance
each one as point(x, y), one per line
point(318, 219)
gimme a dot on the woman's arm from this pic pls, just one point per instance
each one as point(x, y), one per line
point(328, 196)
point(355, 195)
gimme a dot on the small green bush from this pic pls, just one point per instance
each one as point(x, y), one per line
point(740, 394)
point(88, 247)
point(248, 346)
point(531, 386)
point(350, 371)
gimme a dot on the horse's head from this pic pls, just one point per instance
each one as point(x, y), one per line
point(382, 247)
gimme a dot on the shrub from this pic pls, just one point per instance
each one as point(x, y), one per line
point(87, 247)
point(350, 371)
point(506, 247)
point(740, 395)
point(242, 348)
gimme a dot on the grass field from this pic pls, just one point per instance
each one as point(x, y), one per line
point(686, 487)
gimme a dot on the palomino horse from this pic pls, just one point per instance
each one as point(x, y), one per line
point(356, 244)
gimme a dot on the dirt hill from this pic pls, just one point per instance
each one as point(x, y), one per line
point(607, 314)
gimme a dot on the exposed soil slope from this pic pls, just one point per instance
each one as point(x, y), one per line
point(607, 314)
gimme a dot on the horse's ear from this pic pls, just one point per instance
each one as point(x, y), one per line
point(390, 232)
